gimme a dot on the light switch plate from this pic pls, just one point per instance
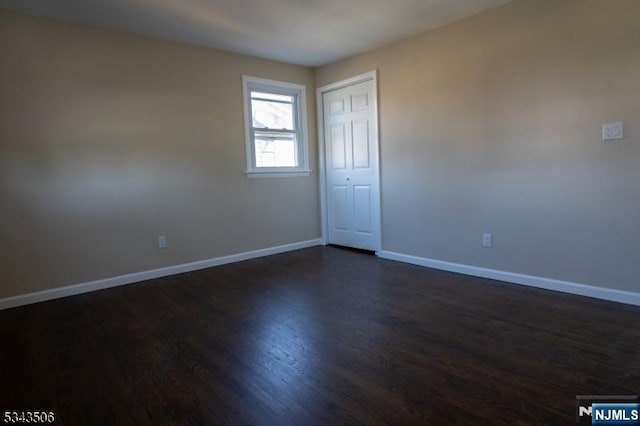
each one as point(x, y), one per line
point(612, 131)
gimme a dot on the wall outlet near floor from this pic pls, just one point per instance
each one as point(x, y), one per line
point(487, 240)
point(162, 241)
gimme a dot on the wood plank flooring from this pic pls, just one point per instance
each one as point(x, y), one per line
point(321, 336)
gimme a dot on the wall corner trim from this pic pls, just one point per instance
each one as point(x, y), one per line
point(56, 293)
point(612, 295)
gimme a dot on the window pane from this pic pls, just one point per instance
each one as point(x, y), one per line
point(275, 150)
point(272, 115)
point(272, 96)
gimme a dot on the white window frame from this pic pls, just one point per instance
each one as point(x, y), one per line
point(250, 83)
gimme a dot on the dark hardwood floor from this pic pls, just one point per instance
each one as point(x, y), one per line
point(320, 336)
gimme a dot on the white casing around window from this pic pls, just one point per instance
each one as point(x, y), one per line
point(250, 83)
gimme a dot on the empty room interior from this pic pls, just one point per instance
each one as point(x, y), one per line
point(276, 212)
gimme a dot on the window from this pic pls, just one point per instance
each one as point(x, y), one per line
point(275, 121)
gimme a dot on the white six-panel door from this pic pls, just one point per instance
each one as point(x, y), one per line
point(351, 163)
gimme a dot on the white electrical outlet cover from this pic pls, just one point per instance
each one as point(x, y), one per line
point(612, 131)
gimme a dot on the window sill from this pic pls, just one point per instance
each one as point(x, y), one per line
point(278, 174)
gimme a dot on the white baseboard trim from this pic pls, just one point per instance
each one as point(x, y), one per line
point(613, 295)
point(56, 293)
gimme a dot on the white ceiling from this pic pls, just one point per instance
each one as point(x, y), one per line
point(304, 32)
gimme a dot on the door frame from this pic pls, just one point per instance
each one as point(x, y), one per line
point(324, 219)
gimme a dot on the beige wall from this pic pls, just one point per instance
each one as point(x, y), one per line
point(493, 124)
point(108, 140)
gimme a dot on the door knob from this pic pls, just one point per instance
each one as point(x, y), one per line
point(348, 178)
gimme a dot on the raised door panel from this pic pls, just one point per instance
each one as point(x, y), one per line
point(338, 147)
point(362, 209)
point(359, 101)
point(340, 207)
point(361, 144)
point(336, 107)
